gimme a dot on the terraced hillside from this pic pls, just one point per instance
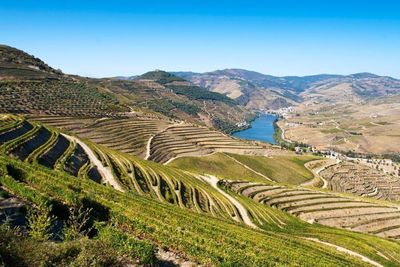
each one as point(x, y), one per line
point(202, 239)
point(363, 215)
point(362, 180)
point(32, 142)
point(128, 135)
point(151, 138)
point(29, 86)
point(198, 209)
point(167, 95)
point(189, 140)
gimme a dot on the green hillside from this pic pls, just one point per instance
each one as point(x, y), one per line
point(283, 169)
point(201, 238)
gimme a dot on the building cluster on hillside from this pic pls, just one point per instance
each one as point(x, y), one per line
point(242, 124)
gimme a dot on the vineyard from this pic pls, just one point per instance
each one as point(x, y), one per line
point(56, 97)
point(154, 139)
point(187, 212)
point(187, 140)
point(201, 238)
point(325, 208)
point(362, 180)
point(33, 142)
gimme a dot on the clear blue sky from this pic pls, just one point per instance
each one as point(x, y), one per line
point(107, 38)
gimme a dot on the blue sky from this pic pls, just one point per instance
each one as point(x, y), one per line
point(108, 38)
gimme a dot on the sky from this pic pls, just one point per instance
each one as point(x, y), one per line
point(123, 38)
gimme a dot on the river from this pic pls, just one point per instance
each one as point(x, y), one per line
point(262, 129)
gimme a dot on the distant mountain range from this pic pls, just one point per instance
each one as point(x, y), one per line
point(186, 96)
point(260, 91)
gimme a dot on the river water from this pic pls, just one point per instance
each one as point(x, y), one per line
point(262, 129)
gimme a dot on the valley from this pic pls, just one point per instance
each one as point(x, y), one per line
point(165, 175)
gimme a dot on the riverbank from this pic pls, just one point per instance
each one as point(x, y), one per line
point(279, 135)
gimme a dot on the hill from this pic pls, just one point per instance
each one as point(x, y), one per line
point(28, 85)
point(260, 91)
point(149, 207)
point(170, 96)
point(15, 63)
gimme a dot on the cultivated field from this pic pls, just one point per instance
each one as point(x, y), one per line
point(278, 166)
point(382, 219)
point(189, 140)
point(181, 210)
point(201, 238)
point(362, 180)
point(372, 127)
point(151, 138)
point(65, 97)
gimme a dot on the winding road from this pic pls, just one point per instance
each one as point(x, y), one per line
point(213, 181)
point(148, 146)
point(105, 172)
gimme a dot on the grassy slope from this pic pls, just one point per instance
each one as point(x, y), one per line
point(284, 169)
point(217, 164)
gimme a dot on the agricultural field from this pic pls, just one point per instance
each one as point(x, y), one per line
point(64, 97)
point(129, 135)
point(279, 166)
point(159, 92)
point(363, 127)
point(42, 163)
point(163, 224)
point(155, 139)
point(188, 140)
point(123, 172)
point(218, 164)
point(326, 208)
point(143, 172)
point(362, 180)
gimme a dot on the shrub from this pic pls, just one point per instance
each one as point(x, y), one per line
point(39, 223)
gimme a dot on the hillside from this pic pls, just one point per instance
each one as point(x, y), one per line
point(16, 64)
point(260, 91)
point(335, 117)
point(150, 207)
point(28, 85)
